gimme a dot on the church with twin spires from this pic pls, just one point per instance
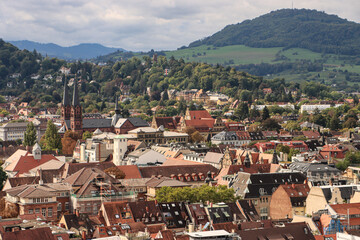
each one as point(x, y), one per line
point(73, 119)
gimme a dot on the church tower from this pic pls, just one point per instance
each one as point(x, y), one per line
point(76, 111)
point(117, 114)
point(65, 105)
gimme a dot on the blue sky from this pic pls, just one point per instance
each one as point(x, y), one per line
point(141, 24)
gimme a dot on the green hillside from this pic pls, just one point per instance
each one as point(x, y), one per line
point(291, 28)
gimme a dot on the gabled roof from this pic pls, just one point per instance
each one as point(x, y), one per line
point(131, 171)
point(71, 168)
point(27, 162)
point(43, 233)
point(113, 212)
point(145, 209)
point(167, 122)
point(165, 182)
point(212, 157)
point(86, 175)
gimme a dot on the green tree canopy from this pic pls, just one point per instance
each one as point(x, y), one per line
point(198, 194)
point(30, 135)
point(52, 140)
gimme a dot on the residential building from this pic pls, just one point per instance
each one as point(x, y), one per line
point(46, 199)
point(259, 187)
point(288, 200)
point(320, 196)
point(15, 130)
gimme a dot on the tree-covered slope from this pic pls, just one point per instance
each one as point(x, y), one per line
point(288, 28)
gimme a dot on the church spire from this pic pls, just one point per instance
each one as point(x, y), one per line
point(75, 100)
point(117, 110)
point(66, 100)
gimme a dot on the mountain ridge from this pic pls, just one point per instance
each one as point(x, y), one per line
point(289, 28)
point(80, 51)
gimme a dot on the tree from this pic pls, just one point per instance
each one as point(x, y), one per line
point(265, 113)
point(197, 194)
point(69, 141)
point(3, 177)
point(334, 123)
point(350, 123)
point(86, 135)
point(292, 125)
point(52, 140)
point(196, 137)
point(242, 111)
point(116, 172)
point(283, 148)
point(270, 124)
point(30, 135)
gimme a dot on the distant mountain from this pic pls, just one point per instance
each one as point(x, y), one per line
point(289, 28)
point(81, 51)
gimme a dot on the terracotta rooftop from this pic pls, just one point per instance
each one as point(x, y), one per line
point(131, 171)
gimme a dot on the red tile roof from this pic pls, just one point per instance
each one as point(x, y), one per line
point(199, 114)
point(131, 171)
point(354, 208)
point(30, 234)
point(28, 162)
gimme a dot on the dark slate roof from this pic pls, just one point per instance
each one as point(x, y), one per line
point(176, 212)
point(266, 183)
point(138, 122)
point(249, 210)
point(224, 135)
point(220, 214)
point(97, 122)
point(345, 191)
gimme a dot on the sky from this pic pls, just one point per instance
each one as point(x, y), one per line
point(141, 25)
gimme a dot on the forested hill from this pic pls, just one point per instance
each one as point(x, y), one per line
point(288, 28)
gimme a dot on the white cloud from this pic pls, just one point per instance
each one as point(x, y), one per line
point(141, 24)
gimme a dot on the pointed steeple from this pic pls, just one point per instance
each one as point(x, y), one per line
point(75, 100)
point(275, 159)
point(117, 114)
point(117, 110)
point(66, 100)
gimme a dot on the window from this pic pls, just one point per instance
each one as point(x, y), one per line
point(37, 210)
point(50, 212)
point(67, 206)
point(31, 211)
point(43, 212)
point(59, 207)
point(117, 216)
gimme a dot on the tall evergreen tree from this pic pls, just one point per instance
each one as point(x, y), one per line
point(265, 113)
point(52, 138)
point(334, 123)
point(30, 135)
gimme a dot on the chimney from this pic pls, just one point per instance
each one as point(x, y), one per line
point(293, 186)
point(77, 212)
point(147, 209)
point(27, 148)
point(83, 235)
